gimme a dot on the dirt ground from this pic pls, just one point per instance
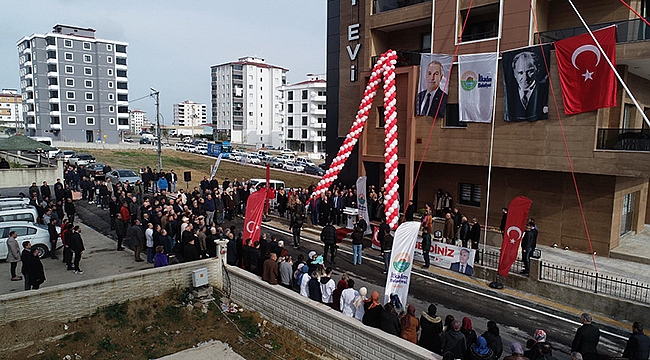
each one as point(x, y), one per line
point(152, 328)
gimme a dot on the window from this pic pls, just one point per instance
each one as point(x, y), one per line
point(86, 46)
point(321, 106)
point(123, 109)
point(381, 122)
point(110, 84)
point(452, 117)
point(321, 120)
point(109, 72)
point(304, 121)
point(111, 96)
point(109, 47)
point(69, 95)
point(122, 97)
point(290, 108)
point(54, 94)
point(322, 93)
point(250, 113)
point(304, 134)
point(628, 214)
point(290, 121)
point(111, 108)
point(88, 83)
point(89, 96)
point(68, 56)
point(109, 59)
point(52, 67)
point(55, 120)
point(72, 120)
point(482, 23)
point(88, 58)
point(121, 73)
point(72, 107)
point(69, 82)
point(425, 42)
point(304, 107)
point(50, 81)
point(90, 121)
point(120, 48)
point(51, 54)
point(290, 95)
point(123, 121)
point(54, 107)
point(122, 85)
point(304, 94)
point(67, 43)
point(469, 194)
point(69, 69)
point(90, 108)
point(111, 121)
point(290, 133)
point(120, 61)
point(88, 71)
point(261, 79)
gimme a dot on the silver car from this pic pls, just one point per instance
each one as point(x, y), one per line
point(27, 231)
point(122, 176)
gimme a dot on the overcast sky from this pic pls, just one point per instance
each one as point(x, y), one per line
point(172, 44)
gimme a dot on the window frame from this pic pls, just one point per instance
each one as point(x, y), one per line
point(67, 95)
point(473, 188)
point(89, 122)
point(74, 120)
point(68, 54)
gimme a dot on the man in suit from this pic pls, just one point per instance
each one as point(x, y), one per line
point(462, 266)
point(433, 97)
point(530, 102)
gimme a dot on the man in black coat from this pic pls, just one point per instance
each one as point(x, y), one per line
point(328, 237)
point(410, 211)
point(77, 246)
point(638, 345)
point(45, 190)
point(586, 339)
point(386, 243)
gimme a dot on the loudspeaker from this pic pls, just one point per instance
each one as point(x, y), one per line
point(187, 176)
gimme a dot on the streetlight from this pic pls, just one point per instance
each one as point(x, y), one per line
point(156, 93)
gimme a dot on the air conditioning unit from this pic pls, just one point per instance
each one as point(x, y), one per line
point(200, 277)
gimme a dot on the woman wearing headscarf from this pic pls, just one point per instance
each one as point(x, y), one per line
point(373, 309)
point(517, 352)
point(493, 338)
point(431, 325)
point(480, 351)
point(410, 325)
point(303, 281)
point(397, 304)
point(389, 321)
point(470, 334)
point(358, 303)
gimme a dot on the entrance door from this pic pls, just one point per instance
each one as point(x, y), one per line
point(89, 136)
point(628, 214)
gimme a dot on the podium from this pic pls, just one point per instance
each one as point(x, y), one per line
point(351, 216)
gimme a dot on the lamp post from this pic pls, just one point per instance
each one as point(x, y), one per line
point(156, 93)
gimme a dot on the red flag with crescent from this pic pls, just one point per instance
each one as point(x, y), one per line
point(514, 232)
point(588, 83)
point(253, 218)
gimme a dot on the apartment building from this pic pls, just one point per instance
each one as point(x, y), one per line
point(11, 109)
point(190, 113)
point(74, 85)
point(138, 121)
point(247, 103)
point(529, 157)
point(304, 115)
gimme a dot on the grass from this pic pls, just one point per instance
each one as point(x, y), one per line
point(199, 165)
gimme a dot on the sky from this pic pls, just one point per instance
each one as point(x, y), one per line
point(172, 44)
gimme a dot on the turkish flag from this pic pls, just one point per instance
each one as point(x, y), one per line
point(253, 218)
point(515, 226)
point(588, 83)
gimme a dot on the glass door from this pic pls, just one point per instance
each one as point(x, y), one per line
point(627, 216)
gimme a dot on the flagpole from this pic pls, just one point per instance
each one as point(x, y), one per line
point(609, 62)
point(494, 111)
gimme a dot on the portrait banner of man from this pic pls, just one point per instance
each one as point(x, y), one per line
point(525, 80)
point(433, 85)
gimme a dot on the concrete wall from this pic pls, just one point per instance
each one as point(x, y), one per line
point(71, 301)
point(340, 335)
point(25, 176)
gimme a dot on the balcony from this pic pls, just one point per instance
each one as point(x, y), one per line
point(379, 6)
point(404, 58)
point(627, 31)
point(623, 139)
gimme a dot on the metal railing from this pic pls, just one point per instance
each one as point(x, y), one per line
point(623, 139)
point(626, 31)
point(404, 58)
point(491, 259)
point(598, 283)
point(379, 6)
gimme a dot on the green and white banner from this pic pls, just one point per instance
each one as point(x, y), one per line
point(476, 76)
point(401, 261)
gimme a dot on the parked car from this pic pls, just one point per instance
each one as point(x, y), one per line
point(67, 154)
point(14, 200)
point(96, 170)
point(253, 159)
point(26, 231)
point(323, 166)
point(293, 166)
point(304, 161)
point(274, 162)
point(287, 158)
point(264, 154)
point(81, 159)
point(236, 155)
point(126, 139)
point(314, 170)
point(180, 146)
point(123, 175)
point(145, 141)
point(18, 212)
point(190, 148)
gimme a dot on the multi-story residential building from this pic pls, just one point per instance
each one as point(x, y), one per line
point(528, 158)
point(74, 86)
point(189, 113)
point(247, 104)
point(138, 121)
point(304, 115)
point(11, 109)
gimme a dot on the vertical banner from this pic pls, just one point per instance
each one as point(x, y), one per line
point(254, 212)
point(216, 166)
point(362, 202)
point(401, 261)
point(433, 86)
point(476, 90)
point(515, 226)
point(525, 80)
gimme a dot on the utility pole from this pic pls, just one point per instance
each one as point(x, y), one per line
point(156, 93)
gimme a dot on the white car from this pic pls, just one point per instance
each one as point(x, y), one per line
point(81, 159)
point(27, 231)
point(236, 155)
point(67, 154)
point(180, 146)
point(253, 159)
point(293, 166)
point(190, 148)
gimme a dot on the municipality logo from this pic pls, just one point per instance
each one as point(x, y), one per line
point(361, 199)
point(402, 262)
point(469, 80)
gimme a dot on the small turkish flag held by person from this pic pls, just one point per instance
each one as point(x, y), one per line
point(514, 232)
point(588, 83)
point(253, 218)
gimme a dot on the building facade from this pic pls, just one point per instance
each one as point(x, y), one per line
point(11, 109)
point(138, 121)
point(74, 86)
point(528, 158)
point(247, 103)
point(189, 113)
point(304, 114)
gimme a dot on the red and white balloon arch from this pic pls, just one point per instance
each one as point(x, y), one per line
point(385, 67)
